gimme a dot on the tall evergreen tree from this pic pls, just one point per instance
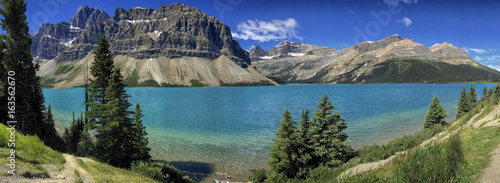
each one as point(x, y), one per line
point(17, 57)
point(327, 135)
point(101, 70)
point(463, 104)
point(472, 97)
point(436, 114)
point(304, 147)
point(85, 144)
point(284, 160)
point(48, 125)
point(115, 138)
point(3, 83)
point(141, 149)
point(485, 94)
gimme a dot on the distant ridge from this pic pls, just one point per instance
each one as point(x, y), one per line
point(390, 60)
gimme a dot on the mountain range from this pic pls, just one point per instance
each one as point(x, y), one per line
point(173, 45)
point(390, 60)
point(177, 45)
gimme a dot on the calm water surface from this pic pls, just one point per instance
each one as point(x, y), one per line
point(232, 128)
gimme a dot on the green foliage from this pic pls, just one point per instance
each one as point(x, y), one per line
point(132, 80)
point(284, 160)
point(472, 97)
point(258, 176)
point(46, 82)
point(463, 104)
point(63, 68)
point(196, 83)
point(149, 83)
point(436, 114)
point(101, 69)
point(140, 149)
point(260, 83)
point(72, 135)
point(48, 132)
point(414, 70)
point(371, 153)
point(437, 163)
point(328, 140)
point(161, 172)
point(17, 57)
point(115, 136)
point(28, 153)
point(173, 85)
point(85, 144)
point(101, 172)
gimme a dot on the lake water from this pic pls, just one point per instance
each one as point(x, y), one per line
point(231, 128)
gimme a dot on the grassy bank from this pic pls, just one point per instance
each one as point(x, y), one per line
point(102, 172)
point(30, 154)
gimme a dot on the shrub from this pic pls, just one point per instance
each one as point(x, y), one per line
point(258, 176)
point(159, 171)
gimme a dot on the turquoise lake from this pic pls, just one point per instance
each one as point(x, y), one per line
point(231, 128)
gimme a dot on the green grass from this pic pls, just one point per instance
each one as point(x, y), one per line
point(30, 154)
point(102, 172)
point(46, 82)
point(371, 153)
point(411, 70)
point(132, 80)
point(197, 83)
point(63, 68)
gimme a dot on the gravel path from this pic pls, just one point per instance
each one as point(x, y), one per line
point(67, 174)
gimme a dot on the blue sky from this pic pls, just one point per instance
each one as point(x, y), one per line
point(471, 25)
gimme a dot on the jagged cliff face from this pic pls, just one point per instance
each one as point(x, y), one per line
point(53, 39)
point(391, 58)
point(287, 49)
point(171, 31)
point(170, 34)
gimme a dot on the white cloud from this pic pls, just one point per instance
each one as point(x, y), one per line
point(263, 31)
point(496, 67)
point(435, 44)
point(407, 21)
point(487, 59)
point(476, 50)
point(397, 2)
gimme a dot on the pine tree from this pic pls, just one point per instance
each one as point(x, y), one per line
point(304, 147)
point(101, 70)
point(48, 125)
point(3, 84)
point(115, 138)
point(463, 104)
point(85, 144)
point(436, 114)
point(141, 149)
point(472, 97)
point(327, 135)
point(284, 160)
point(485, 94)
point(73, 136)
point(17, 57)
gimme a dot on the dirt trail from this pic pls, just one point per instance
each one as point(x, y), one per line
point(67, 174)
point(492, 173)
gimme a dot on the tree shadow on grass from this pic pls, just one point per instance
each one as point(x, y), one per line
point(197, 171)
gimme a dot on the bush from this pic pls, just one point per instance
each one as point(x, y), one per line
point(258, 176)
point(437, 163)
point(159, 171)
point(376, 152)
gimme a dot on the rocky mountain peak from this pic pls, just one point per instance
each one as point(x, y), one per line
point(375, 45)
point(86, 15)
point(258, 51)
